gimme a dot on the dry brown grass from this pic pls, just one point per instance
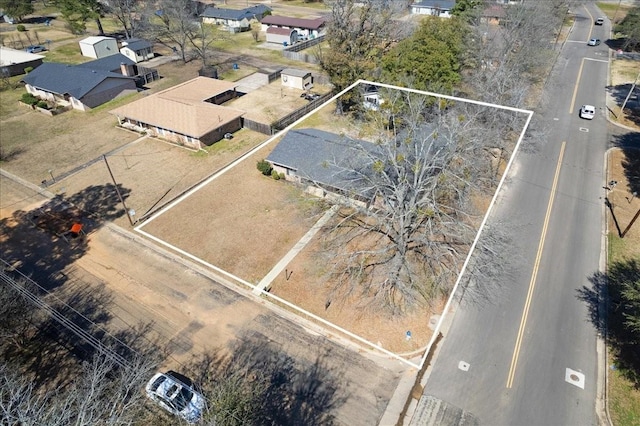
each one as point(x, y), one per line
point(623, 397)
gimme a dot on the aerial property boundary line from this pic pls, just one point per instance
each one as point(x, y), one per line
point(298, 309)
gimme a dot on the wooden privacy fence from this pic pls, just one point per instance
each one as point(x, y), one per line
point(288, 119)
point(276, 126)
point(294, 52)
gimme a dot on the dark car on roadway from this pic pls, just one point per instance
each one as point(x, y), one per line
point(35, 49)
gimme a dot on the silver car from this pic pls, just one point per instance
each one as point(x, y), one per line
point(174, 393)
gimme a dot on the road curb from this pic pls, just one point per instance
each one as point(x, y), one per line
point(602, 381)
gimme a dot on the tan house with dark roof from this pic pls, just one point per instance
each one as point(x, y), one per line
point(188, 114)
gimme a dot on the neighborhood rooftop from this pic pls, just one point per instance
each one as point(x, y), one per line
point(325, 158)
point(182, 108)
point(235, 14)
point(107, 63)
point(312, 24)
point(68, 79)
point(10, 56)
point(136, 44)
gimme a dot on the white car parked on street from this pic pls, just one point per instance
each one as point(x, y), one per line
point(587, 112)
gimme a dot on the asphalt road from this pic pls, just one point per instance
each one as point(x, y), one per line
point(520, 343)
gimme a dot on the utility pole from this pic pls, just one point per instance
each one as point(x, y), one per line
point(126, 210)
point(633, 86)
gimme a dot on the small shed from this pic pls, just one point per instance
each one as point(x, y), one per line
point(98, 46)
point(283, 36)
point(298, 79)
point(137, 50)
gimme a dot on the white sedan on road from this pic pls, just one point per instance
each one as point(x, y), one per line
point(587, 112)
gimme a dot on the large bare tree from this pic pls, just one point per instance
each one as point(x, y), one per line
point(422, 177)
point(174, 24)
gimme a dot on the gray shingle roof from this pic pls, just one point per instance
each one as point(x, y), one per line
point(325, 158)
point(108, 63)
point(61, 79)
point(137, 44)
point(440, 4)
point(235, 14)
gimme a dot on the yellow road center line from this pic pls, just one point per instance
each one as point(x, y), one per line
point(532, 283)
point(592, 22)
point(575, 89)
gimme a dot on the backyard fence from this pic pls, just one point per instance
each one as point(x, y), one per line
point(288, 119)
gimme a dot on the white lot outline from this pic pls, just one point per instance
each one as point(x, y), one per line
point(296, 308)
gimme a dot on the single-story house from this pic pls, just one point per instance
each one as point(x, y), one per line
point(83, 88)
point(98, 46)
point(328, 163)
point(189, 114)
point(13, 62)
point(441, 8)
point(305, 28)
point(233, 19)
point(493, 14)
point(137, 50)
point(298, 79)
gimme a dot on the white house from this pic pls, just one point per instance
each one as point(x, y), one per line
point(98, 46)
point(298, 79)
point(302, 29)
point(137, 50)
point(441, 8)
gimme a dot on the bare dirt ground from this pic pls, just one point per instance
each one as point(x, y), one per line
point(186, 308)
point(245, 223)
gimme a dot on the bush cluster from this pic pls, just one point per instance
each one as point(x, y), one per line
point(265, 167)
point(29, 99)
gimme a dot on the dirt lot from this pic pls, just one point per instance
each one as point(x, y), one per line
point(266, 219)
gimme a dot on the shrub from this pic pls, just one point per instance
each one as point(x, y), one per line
point(42, 104)
point(275, 175)
point(21, 28)
point(27, 70)
point(29, 99)
point(265, 167)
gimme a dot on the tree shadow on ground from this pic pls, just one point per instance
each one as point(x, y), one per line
point(50, 335)
point(632, 107)
point(40, 243)
point(631, 165)
point(276, 388)
point(617, 286)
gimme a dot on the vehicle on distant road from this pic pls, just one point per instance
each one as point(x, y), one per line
point(593, 42)
point(35, 49)
point(599, 21)
point(174, 393)
point(587, 112)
